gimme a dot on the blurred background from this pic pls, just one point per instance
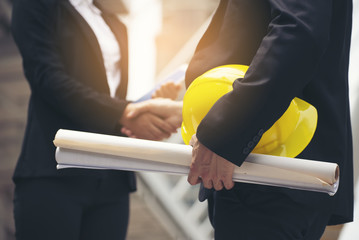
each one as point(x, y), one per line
point(162, 36)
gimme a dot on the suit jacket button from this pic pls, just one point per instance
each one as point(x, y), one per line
point(245, 150)
point(250, 144)
point(256, 138)
point(260, 132)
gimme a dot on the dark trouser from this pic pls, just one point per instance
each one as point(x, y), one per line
point(70, 208)
point(252, 214)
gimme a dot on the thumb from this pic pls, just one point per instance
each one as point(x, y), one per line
point(193, 140)
point(132, 114)
point(136, 110)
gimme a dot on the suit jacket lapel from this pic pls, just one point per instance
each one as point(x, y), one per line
point(120, 32)
point(87, 31)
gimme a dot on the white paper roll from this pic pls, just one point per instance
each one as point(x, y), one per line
point(90, 150)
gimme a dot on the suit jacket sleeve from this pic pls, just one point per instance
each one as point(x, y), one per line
point(297, 37)
point(34, 28)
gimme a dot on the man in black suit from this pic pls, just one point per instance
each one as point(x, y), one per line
point(293, 49)
point(65, 63)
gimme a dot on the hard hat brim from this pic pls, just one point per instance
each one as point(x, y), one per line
point(302, 134)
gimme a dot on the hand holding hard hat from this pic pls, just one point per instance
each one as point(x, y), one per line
point(287, 137)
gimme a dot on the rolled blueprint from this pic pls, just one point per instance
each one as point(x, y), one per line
point(90, 150)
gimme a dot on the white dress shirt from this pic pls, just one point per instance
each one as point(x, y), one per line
point(106, 39)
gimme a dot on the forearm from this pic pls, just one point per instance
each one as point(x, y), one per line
point(285, 62)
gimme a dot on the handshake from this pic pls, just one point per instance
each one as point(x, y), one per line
point(154, 119)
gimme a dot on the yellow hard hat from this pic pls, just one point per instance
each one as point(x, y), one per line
point(287, 137)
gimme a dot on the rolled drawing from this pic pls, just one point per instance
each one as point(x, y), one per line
point(77, 149)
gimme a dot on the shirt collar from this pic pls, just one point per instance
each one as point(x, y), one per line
point(79, 2)
point(85, 3)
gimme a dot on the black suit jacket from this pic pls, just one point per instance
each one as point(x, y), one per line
point(63, 64)
point(294, 49)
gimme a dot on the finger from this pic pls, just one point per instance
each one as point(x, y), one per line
point(162, 93)
point(168, 93)
point(216, 182)
point(173, 91)
point(167, 90)
point(228, 183)
point(148, 135)
point(193, 175)
point(193, 179)
point(165, 126)
point(146, 129)
point(193, 140)
point(200, 166)
point(132, 114)
point(157, 134)
point(138, 109)
point(156, 128)
point(207, 183)
point(156, 94)
point(168, 85)
point(227, 180)
point(175, 122)
point(126, 131)
point(227, 169)
point(218, 185)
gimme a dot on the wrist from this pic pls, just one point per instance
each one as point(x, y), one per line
point(124, 118)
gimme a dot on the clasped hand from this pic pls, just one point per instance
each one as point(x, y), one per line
point(154, 119)
point(209, 168)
